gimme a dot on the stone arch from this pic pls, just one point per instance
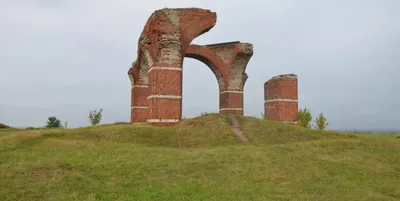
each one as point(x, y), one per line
point(156, 77)
point(216, 65)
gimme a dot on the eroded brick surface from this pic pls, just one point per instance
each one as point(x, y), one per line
point(165, 82)
point(281, 111)
point(162, 108)
point(138, 115)
point(231, 100)
point(139, 96)
point(281, 98)
point(281, 87)
point(163, 43)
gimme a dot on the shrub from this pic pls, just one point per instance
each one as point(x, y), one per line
point(95, 117)
point(305, 117)
point(203, 113)
point(321, 122)
point(53, 122)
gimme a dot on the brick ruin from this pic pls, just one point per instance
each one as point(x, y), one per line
point(156, 75)
point(281, 99)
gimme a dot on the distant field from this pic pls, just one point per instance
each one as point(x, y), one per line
point(199, 159)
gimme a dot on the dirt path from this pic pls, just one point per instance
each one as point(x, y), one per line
point(236, 129)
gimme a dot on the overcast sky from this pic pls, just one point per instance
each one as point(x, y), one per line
point(66, 57)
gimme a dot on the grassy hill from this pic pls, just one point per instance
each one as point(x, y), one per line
point(198, 159)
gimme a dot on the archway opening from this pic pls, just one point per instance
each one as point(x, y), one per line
point(200, 89)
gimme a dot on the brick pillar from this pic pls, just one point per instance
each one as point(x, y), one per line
point(139, 108)
point(231, 102)
point(281, 99)
point(165, 95)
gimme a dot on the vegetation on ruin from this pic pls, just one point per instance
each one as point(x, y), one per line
point(198, 159)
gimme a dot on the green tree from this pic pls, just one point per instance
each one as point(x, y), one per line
point(321, 122)
point(65, 124)
point(53, 122)
point(95, 117)
point(305, 117)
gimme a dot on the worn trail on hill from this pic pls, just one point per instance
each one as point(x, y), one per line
point(236, 129)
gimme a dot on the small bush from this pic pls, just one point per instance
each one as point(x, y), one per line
point(95, 117)
point(203, 113)
point(4, 126)
point(321, 122)
point(53, 122)
point(305, 117)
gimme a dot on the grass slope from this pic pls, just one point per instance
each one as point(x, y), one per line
point(199, 159)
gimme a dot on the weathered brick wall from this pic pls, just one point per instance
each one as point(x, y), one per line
point(281, 98)
point(164, 42)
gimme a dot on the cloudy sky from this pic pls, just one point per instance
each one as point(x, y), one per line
point(66, 57)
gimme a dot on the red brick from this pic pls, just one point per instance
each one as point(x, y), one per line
point(281, 92)
point(281, 111)
point(231, 100)
point(161, 108)
point(168, 82)
point(138, 115)
point(139, 96)
point(164, 41)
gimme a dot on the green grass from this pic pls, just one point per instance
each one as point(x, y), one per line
point(199, 159)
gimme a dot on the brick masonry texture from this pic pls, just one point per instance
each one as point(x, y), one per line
point(165, 82)
point(164, 42)
point(139, 99)
point(138, 115)
point(161, 108)
point(281, 98)
point(231, 100)
point(281, 111)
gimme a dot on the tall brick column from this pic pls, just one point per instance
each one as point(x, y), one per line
point(231, 99)
point(165, 95)
point(281, 98)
